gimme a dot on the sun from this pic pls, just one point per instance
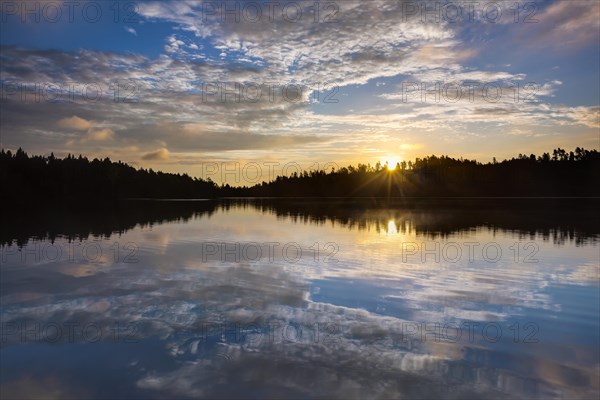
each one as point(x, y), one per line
point(391, 162)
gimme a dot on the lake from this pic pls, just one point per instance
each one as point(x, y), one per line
point(270, 298)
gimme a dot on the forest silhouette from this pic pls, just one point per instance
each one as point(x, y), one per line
point(28, 179)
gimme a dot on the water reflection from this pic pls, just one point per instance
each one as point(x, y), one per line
point(392, 314)
point(559, 219)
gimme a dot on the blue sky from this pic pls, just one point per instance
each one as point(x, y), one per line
point(171, 58)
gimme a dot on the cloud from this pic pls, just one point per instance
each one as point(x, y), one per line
point(562, 26)
point(160, 154)
point(100, 135)
point(343, 52)
point(587, 116)
point(565, 25)
point(94, 133)
point(131, 30)
point(75, 122)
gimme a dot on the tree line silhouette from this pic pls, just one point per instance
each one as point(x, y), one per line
point(52, 178)
point(576, 173)
point(561, 174)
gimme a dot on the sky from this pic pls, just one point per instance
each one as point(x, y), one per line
point(240, 91)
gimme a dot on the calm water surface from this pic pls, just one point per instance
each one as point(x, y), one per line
point(261, 300)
